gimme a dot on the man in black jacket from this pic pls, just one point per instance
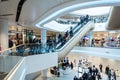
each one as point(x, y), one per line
point(10, 43)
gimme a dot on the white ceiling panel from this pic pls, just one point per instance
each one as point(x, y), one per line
point(55, 26)
point(35, 11)
point(9, 7)
point(96, 11)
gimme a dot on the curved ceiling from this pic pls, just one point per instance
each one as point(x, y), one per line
point(40, 12)
point(68, 7)
point(96, 11)
point(57, 26)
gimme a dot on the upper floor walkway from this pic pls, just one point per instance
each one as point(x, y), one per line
point(112, 53)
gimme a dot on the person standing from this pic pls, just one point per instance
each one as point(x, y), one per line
point(118, 41)
point(83, 41)
point(102, 42)
point(58, 72)
point(71, 65)
point(114, 74)
point(71, 32)
point(85, 76)
point(10, 43)
point(92, 43)
point(109, 74)
point(100, 66)
point(75, 78)
point(90, 70)
point(107, 69)
point(99, 76)
point(94, 70)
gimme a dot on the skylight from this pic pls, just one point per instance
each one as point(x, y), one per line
point(93, 11)
point(55, 26)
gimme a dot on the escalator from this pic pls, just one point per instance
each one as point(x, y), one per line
point(61, 48)
point(78, 34)
point(37, 58)
point(51, 59)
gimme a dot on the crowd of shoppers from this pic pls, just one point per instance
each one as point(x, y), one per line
point(63, 65)
point(99, 19)
point(89, 72)
point(61, 21)
point(95, 19)
point(63, 38)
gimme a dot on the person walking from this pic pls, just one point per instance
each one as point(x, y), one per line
point(107, 69)
point(114, 74)
point(109, 74)
point(100, 66)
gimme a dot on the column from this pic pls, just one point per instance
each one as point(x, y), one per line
point(44, 74)
point(90, 37)
point(43, 37)
point(4, 33)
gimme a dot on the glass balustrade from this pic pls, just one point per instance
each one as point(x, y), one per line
point(39, 48)
point(7, 63)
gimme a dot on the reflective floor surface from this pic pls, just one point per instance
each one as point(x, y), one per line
point(69, 76)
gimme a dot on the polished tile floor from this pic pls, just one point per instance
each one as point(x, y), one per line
point(68, 76)
point(94, 60)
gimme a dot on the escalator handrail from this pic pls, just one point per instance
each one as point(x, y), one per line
point(75, 29)
point(68, 29)
point(72, 38)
